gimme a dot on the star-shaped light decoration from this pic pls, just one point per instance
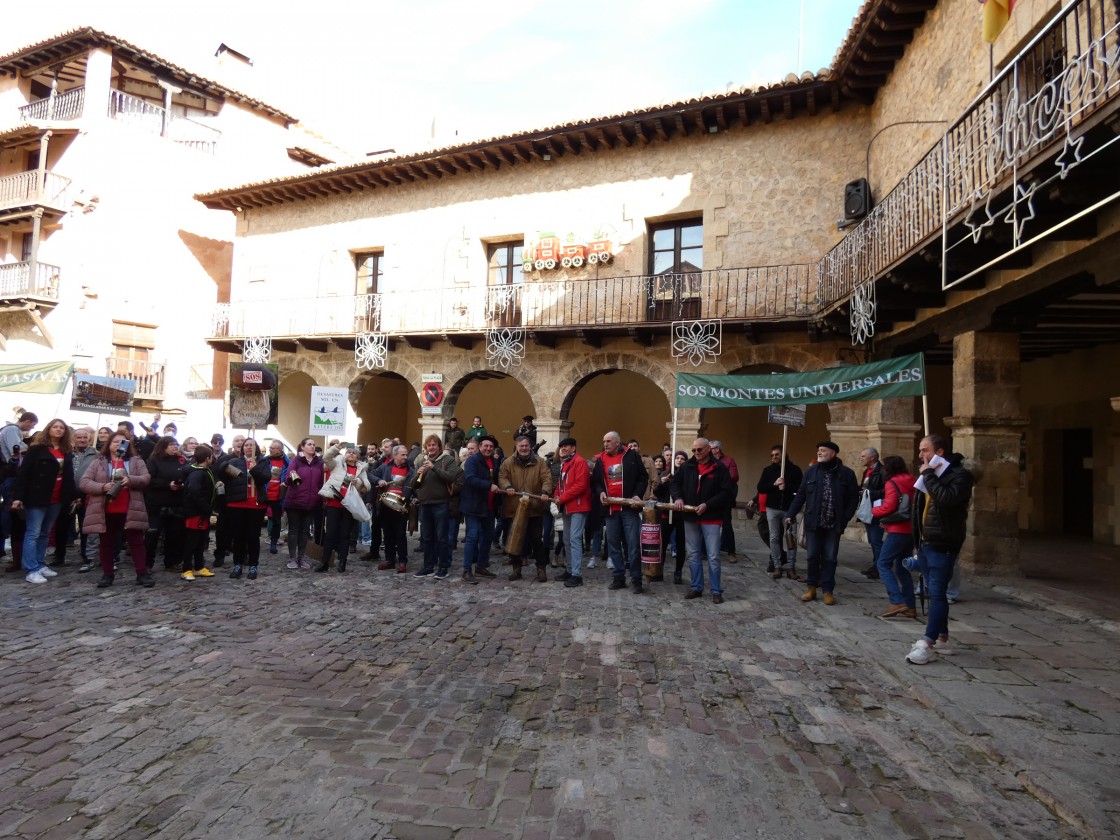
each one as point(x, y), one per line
point(1024, 197)
point(257, 349)
point(979, 218)
point(1070, 156)
point(862, 318)
point(371, 350)
point(697, 342)
point(505, 347)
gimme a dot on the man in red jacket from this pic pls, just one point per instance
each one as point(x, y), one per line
point(573, 497)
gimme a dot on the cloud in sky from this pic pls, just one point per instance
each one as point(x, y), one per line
point(378, 75)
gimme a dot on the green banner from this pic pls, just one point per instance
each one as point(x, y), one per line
point(49, 378)
point(904, 377)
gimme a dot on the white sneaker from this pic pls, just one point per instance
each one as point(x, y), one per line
point(48, 572)
point(293, 563)
point(35, 577)
point(922, 653)
point(943, 648)
point(591, 564)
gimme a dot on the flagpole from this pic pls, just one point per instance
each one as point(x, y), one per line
point(925, 414)
point(785, 440)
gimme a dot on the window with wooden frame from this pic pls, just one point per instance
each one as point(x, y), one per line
point(676, 260)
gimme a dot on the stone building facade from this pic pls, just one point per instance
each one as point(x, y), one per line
point(974, 247)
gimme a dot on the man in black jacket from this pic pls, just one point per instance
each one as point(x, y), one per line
point(620, 473)
point(938, 519)
point(829, 493)
point(780, 493)
point(874, 484)
point(704, 483)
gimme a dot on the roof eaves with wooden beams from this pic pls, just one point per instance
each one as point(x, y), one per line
point(877, 39)
point(711, 114)
point(76, 42)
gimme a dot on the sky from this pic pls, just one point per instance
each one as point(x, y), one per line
point(398, 73)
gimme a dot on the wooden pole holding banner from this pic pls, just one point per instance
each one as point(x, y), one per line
point(673, 465)
point(785, 440)
point(925, 414)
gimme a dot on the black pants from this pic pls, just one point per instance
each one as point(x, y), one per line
point(162, 523)
point(299, 531)
point(223, 534)
point(245, 529)
point(276, 516)
point(339, 523)
point(727, 534)
point(396, 538)
point(194, 548)
point(534, 543)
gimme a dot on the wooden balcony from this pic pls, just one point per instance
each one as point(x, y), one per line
point(148, 376)
point(153, 119)
point(30, 190)
point(20, 287)
point(64, 106)
point(639, 306)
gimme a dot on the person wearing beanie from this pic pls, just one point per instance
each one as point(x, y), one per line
point(829, 495)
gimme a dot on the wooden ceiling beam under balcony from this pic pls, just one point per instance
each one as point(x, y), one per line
point(460, 341)
point(811, 102)
point(721, 118)
point(659, 129)
point(639, 132)
point(787, 106)
point(568, 145)
point(764, 107)
point(698, 118)
point(604, 141)
point(678, 124)
point(543, 339)
point(622, 137)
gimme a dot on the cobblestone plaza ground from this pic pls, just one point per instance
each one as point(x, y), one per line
point(373, 705)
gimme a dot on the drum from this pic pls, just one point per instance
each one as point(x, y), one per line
point(651, 544)
point(394, 501)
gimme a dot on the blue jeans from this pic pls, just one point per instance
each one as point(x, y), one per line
point(453, 522)
point(896, 577)
point(476, 545)
point(433, 536)
point(705, 538)
point(821, 546)
point(875, 540)
point(573, 541)
point(624, 533)
point(40, 520)
point(365, 532)
point(938, 570)
point(776, 519)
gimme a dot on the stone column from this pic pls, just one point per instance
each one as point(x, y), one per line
point(987, 427)
point(687, 431)
point(552, 430)
point(431, 424)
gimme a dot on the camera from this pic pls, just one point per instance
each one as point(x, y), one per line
point(122, 448)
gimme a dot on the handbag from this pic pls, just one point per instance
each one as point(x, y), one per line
point(353, 502)
point(863, 512)
point(902, 514)
point(801, 539)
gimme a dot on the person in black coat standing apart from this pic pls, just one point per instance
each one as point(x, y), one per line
point(705, 484)
point(829, 494)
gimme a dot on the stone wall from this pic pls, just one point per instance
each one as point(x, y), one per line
point(768, 195)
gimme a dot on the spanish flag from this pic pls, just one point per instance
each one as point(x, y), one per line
point(996, 14)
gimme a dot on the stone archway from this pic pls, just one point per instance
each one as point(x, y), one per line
point(500, 399)
point(617, 398)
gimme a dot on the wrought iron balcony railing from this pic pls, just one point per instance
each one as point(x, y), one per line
point(148, 376)
point(1068, 73)
point(156, 120)
point(64, 106)
point(28, 189)
point(755, 294)
point(17, 282)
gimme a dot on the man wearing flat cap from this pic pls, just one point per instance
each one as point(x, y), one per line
point(829, 494)
point(529, 430)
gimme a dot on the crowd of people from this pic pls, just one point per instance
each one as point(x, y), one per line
point(113, 492)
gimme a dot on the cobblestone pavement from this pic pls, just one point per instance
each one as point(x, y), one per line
point(374, 705)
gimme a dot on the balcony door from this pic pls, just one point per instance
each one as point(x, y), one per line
point(676, 258)
point(505, 283)
point(369, 268)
